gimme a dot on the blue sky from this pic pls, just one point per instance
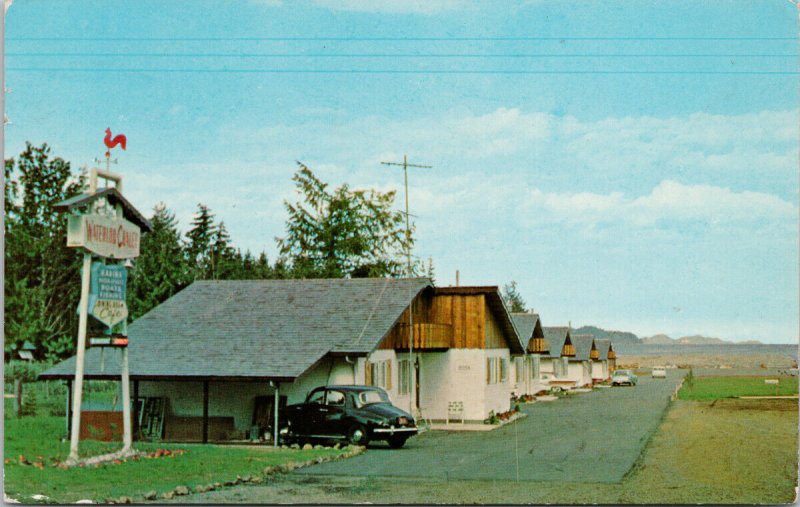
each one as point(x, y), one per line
point(630, 164)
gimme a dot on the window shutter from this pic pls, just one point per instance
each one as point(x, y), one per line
point(368, 373)
point(488, 370)
point(388, 375)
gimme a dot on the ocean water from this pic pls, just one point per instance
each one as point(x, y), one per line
point(652, 349)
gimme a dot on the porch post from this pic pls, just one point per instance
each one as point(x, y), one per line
point(135, 409)
point(69, 406)
point(275, 423)
point(205, 411)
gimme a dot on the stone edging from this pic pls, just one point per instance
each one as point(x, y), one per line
point(348, 452)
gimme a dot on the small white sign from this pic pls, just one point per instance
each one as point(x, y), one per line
point(115, 238)
point(771, 381)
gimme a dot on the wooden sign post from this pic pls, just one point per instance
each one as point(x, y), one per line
point(98, 225)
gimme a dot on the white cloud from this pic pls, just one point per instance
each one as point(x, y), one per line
point(426, 7)
point(668, 201)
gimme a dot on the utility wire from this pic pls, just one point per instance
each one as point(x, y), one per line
point(106, 70)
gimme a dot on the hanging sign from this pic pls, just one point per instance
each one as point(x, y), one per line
point(107, 293)
point(111, 237)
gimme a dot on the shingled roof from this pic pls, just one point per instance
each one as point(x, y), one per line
point(256, 329)
point(602, 345)
point(583, 346)
point(556, 336)
point(527, 325)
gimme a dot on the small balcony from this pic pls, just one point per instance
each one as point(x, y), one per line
point(426, 336)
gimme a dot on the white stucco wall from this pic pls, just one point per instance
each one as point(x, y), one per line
point(497, 397)
point(234, 399)
point(579, 372)
point(600, 369)
point(237, 399)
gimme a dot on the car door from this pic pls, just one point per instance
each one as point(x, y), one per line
point(306, 414)
point(331, 420)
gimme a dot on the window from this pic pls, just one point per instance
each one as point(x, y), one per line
point(380, 374)
point(503, 369)
point(536, 367)
point(519, 375)
point(495, 369)
point(317, 397)
point(404, 370)
point(335, 398)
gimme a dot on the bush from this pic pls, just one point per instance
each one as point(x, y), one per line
point(28, 403)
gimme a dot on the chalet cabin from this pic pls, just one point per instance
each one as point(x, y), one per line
point(612, 359)
point(464, 339)
point(600, 371)
point(212, 362)
point(555, 365)
point(580, 365)
point(529, 327)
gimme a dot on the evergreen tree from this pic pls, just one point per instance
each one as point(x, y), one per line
point(161, 269)
point(342, 232)
point(42, 276)
point(512, 298)
point(199, 240)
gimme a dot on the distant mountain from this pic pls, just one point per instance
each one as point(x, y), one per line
point(658, 339)
point(616, 337)
point(662, 339)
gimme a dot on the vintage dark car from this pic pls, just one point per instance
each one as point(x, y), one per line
point(356, 414)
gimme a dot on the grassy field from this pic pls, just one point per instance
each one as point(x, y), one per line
point(713, 388)
point(38, 440)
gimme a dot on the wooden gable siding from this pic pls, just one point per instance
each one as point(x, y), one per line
point(494, 333)
point(448, 321)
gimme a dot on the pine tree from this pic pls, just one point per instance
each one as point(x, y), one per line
point(161, 269)
point(42, 277)
point(199, 240)
point(342, 232)
point(512, 298)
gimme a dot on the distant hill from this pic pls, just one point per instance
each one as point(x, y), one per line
point(616, 337)
point(658, 339)
point(662, 339)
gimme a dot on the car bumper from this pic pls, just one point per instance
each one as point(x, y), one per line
point(394, 431)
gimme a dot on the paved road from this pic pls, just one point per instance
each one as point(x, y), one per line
point(591, 437)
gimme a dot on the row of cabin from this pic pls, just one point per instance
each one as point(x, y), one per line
point(209, 363)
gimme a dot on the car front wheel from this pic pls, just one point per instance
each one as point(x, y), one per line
point(357, 435)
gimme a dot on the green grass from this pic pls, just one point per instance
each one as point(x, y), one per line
point(712, 388)
point(39, 439)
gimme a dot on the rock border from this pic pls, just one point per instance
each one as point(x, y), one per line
point(259, 478)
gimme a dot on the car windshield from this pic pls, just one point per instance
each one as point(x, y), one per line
point(622, 372)
point(369, 397)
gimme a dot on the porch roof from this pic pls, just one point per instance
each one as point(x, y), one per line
point(602, 346)
point(255, 329)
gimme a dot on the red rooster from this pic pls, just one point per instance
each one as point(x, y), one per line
point(119, 139)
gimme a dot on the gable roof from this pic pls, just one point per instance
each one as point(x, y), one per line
point(265, 329)
point(526, 324)
point(583, 346)
point(556, 336)
point(602, 345)
point(498, 308)
point(114, 197)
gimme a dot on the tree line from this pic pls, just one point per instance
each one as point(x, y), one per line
point(330, 233)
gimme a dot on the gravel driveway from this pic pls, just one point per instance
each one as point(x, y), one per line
point(590, 437)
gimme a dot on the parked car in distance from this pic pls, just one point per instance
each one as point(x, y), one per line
point(355, 414)
point(659, 372)
point(622, 377)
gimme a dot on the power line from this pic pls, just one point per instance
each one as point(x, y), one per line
point(403, 55)
point(105, 70)
point(395, 39)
